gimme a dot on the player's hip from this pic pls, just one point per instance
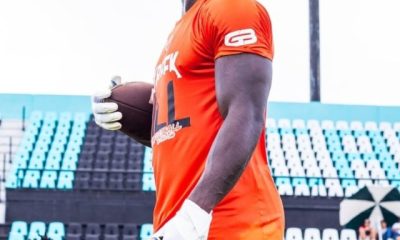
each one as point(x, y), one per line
point(247, 227)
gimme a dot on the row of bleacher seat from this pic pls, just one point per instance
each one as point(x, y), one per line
point(300, 153)
point(21, 230)
point(291, 233)
point(355, 154)
point(52, 142)
point(316, 234)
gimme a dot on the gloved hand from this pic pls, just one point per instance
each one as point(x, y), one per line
point(106, 114)
point(190, 223)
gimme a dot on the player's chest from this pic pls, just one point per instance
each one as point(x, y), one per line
point(185, 55)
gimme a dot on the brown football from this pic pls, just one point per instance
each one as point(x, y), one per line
point(133, 99)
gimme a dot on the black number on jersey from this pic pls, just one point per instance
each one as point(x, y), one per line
point(183, 122)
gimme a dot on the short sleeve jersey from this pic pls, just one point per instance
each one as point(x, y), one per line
point(186, 118)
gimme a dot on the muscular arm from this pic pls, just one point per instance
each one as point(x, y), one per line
point(242, 86)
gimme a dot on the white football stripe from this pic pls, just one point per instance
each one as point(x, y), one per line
point(350, 208)
point(378, 192)
point(394, 207)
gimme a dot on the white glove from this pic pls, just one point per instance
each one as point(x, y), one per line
point(105, 113)
point(190, 223)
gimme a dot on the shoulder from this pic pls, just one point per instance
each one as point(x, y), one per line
point(228, 11)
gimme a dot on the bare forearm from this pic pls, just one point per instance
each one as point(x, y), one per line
point(228, 157)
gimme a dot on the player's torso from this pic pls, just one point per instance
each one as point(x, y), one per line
point(186, 120)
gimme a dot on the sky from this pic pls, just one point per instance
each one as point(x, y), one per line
point(76, 46)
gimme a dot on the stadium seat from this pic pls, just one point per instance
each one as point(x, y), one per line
point(99, 180)
point(49, 179)
point(56, 231)
point(348, 182)
point(53, 161)
point(348, 234)
point(115, 181)
point(16, 236)
point(19, 227)
point(130, 231)
point(31, 179)
point(330, 234)
point(146, 230)
point(312, 234)
point(318, 190)
point(335, 191)
point(36, 230)
point(148, 182)
point(364, 182)
point(111, 232)
point(93, 231)
point(65, 180)
point(12, 180)
point(299, 181)
point(294, 234)
point(74, 231)
point(285, 189)
point(350, 190)
point(302, 190)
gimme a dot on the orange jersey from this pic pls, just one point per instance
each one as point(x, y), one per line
point(186, 119)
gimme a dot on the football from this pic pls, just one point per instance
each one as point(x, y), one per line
point(133, 99)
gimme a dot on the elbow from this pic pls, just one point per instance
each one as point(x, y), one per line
point(250, 119)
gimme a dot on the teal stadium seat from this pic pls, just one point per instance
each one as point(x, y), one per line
point(346, 173)
point(49, 179)
point(299, 181)
point(36, 230)
point(53, 161)
point(147, 164)
point(69, 164)
point(358, 133)
point(16, 236)
point(42, 146)
point(344, 132)
point(59, 143)
point(385, 156)
point(284, 131)
point(329, 132)
point(12, 180)
point(37, 161)
point(148, 182)
point(353, 156)
point(282, 181)
point(341, 163)
point(388, 165)
point(21, 160)
point(368, 156)
point(19, 227)
point(65, 180)
point(395, 183)
point(300, 131)
point(31, 179)
point(26, 145)
point(393, 173)
point(56, 231)
point(146, 230)
point(348, 182)
point(373, 133)
point(71, 157)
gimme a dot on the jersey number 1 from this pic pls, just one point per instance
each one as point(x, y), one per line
point(183, 122)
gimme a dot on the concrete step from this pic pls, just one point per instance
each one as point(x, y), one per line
point(11, 124)
point(5, 140)
point(11, 133)
point(6, 148)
